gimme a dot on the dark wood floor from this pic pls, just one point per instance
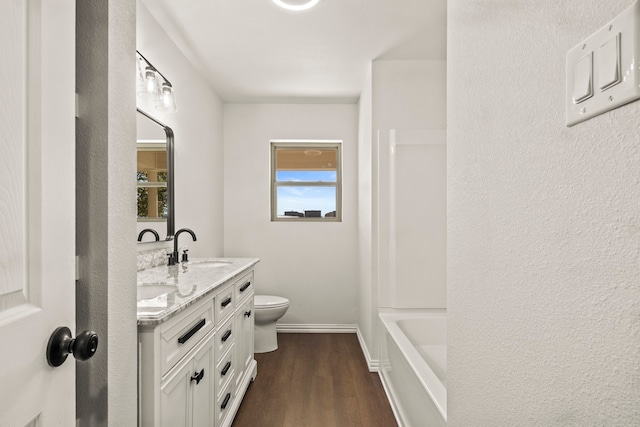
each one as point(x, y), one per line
point(315, 380)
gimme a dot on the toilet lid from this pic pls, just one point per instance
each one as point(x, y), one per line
point(267, 301)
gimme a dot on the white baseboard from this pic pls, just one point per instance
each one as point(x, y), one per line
point(316, 329)
point(373, 365)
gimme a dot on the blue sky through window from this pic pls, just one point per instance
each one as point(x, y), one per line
point(300, 199)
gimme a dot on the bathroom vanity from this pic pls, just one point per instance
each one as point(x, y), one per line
point(195, 341)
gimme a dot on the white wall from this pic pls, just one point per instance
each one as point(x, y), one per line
point(198, 139)
point(409, 94)
point(315, 265)
point(367, 295)
point(544, 228)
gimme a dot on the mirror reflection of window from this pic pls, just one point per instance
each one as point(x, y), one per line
point(152, 181)
point(154, 177)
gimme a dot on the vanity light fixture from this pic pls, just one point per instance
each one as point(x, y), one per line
point(153, 86)
point(296, 5)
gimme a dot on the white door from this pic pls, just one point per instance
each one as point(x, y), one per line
point(37, 209)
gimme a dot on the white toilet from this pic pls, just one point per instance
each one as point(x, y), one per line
point(268, 310)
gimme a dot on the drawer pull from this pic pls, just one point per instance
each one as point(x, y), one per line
point(247, 313)
point(226, 369)
point(226, 302)
point(245, 286)
point(226, 335)
point(198, 376)
point(183, 339)
point(225, 401)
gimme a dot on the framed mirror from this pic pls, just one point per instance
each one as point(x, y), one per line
point(155, 180)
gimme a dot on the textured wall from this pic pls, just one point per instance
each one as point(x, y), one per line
point(543, 226)
point(105, 159)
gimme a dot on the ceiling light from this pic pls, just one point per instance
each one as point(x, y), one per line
point(296, 5)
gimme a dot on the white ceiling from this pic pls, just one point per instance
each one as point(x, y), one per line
point(255, 51)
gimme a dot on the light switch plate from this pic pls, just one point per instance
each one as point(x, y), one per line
point(626, 27)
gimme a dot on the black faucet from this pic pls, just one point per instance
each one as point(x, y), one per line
point(173, 259)
point(148, 230)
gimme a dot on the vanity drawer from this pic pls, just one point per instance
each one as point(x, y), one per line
point(225, 338)
point(244, 287)
point(224, 402)
point(225, 370)
point(224, 302)
point(181, 333)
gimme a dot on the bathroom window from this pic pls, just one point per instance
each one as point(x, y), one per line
point(306, 181)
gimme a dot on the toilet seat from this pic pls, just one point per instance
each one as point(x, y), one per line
point(269, 301)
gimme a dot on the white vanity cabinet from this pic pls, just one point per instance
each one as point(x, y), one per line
point(196, 363)
point(244, 325)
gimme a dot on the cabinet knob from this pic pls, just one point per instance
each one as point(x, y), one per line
point(198, 376)
point(247, 313)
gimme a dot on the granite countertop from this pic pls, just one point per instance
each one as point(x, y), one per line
point(164, 291)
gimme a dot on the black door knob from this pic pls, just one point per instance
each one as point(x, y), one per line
point(61, 344)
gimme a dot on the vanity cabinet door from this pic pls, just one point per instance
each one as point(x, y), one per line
point(244, 326)
point(175, 398)
point(204, 391)
point(188, 392)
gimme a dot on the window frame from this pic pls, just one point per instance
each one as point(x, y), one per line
point(299, 144)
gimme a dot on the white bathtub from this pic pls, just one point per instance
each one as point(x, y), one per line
point(413, 369)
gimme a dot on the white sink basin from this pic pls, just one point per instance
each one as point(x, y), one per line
point(206, 264)
point(154, 290)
